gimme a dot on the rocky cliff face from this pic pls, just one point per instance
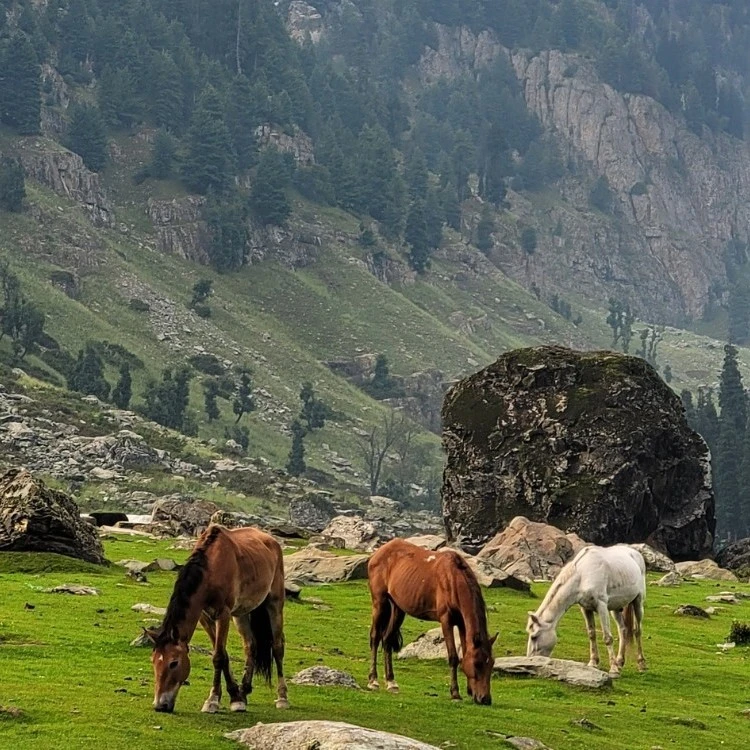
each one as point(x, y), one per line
point(678, 197)
point(593, 443)
point(179, 226)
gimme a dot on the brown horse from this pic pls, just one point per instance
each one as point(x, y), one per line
point(236, 574)
point(439, 586)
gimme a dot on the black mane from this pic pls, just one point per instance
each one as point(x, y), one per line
point(188, 582)
point(476, 595)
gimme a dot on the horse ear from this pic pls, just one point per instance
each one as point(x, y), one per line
point(494, 638)
point(534, 618)
point(150, 634)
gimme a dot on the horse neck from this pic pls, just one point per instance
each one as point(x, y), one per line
point(189, 622)
point(559, 599)
point(473, 614)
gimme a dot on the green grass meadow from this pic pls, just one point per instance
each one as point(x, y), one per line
point(68, 666)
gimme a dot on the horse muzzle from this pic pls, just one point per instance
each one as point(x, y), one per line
point(164, 706)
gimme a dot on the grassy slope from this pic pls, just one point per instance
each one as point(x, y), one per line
point(67, 664)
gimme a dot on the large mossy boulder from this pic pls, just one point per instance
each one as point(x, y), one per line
point(590, 442)
point(36, 518)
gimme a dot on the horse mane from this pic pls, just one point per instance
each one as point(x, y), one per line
point(565, 574)
point(475, 591)
point(188, 582)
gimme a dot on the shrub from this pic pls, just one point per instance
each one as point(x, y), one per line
point(139, 305)
point(739, 633)
point(202, 311)
point(208, 364)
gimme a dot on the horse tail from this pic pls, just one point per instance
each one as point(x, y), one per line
point(628, 619)
point(392, 638)
point(261, 646)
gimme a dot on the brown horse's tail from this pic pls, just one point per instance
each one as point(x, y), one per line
point(392, 638)
point(261, 647)
point(628, 619)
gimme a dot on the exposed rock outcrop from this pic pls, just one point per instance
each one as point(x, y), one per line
point(704, 569)
point(304, 22)
point(313, 511)
point(189, 517)
point(36, 518)
point(358, 534)
point(311, 565)
point(298, 144)
point(736, 557)
point(594, 443)
point(180, 228)
point(321, 735)
point(65, 173)
point(561, 670)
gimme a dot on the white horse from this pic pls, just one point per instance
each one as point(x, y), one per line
point(599, 580)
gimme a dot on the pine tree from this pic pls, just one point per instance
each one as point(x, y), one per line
point(163, 156)
point(211, 390)
point(435, 218)
point(416, 176)
point(202, 290)
point(117, 98)
point(416, 237)
point(313, 412)
point(20, 86)
point(668, 374)
point(485, 228)
point(451, 206)
point(123, 390)
point(268, 195)
point(732, 401)
point(226, 218)
point(295, 464)
point(88, 374)
point(167, 402)
point(242, 119)
point(166, 100)
point(87, 136)
point(706, 419)
point(243, 402)
point(687, 402)
point(12, 187)
point(209, 161)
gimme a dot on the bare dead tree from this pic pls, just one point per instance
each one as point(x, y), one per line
point(375, 446)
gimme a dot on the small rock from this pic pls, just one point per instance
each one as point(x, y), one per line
point(73, 588)
point(690, 610)
point(148, 609)
point(723, 599)
point(323, 676)
point(670, 579)
point(563, 670)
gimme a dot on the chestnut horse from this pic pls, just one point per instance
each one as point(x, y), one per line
point(231, 574)
point(438, 586)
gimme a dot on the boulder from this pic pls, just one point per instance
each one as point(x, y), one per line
point(690, 610)
point(184, 516)
point(322, 676)
point(321, 735)
point(656, 562)
point(108, 517)
point(358, 534)
point(311, 565)
point(704, 569)
point(429, 645)
point(131, 451)
point(562, 670)
point(36, 518)
point(428, 541)
point(531, 551)
point(736, 557)
point(491, 576)
point(313, 511)
point(669, 579)
point(590, 442)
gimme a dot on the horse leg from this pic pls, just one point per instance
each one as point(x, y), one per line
point(381, 613)
point(211, 704)
point(450, 644)
point(396, 620)
point(588, 616)
point(221, 661)
point(638, 617)
point(276, 616)
point(246, 686)
point(624, 633)
point(603, 611)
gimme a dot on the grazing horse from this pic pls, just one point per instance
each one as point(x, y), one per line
point(439, 586)
point(231, 574)
point(599, 580)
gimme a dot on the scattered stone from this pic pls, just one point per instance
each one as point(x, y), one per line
point(429, 645)
point(656, 562)
point(690, 610)
point(723, 599)
point(103, 474)
point(322, 735)
point(670, 579)
point(292, 591)
point(11, 712)
point(688, 721)
point(725, 646)
point(585, 723)
point(525, 743)
point(149, 609)
point(311, 565)
point(73, 588)
point(562, 670)
point(704, 569)
point(321, 676)
point(36, 518)
point(540, 433)
point(531, 551)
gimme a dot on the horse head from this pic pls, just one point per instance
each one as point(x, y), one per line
point(477, 665)
point(171, 663)
point(542, 636)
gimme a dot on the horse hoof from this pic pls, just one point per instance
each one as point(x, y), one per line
point(456, 698)
point(594, 664)
point(210, 707)
point(392, 687)
point(642, 668)
point(238, 706)
point(281, 703)
point(373, 685)
point(614, 674)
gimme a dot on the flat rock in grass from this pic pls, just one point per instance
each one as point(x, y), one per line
point(73, 588)
point(322, 735)
point(690, 610)
point(311, 565)
point(525, 743)
point(562, 670)
point(429, 645)
point(148, 609)
point(322, 676)
point(141, 641)
point(723, 599)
